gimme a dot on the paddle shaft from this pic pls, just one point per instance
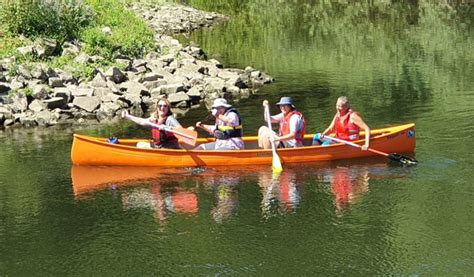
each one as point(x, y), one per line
point(276, 160)
point(158, 126)
point(356, 145)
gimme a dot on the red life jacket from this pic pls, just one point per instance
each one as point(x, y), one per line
point(161, 136)
point(345, 129)
point(285, 126)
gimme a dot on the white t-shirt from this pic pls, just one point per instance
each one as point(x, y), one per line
point(296, 124)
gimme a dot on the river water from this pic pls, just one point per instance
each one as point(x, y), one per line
point(397, 63)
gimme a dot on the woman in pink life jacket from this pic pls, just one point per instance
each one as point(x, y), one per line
point(346, 124)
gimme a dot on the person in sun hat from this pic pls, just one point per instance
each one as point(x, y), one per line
point(227, 130)
point(346, 124)
point(291, 130)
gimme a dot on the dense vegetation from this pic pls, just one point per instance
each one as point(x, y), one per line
point(74, 20)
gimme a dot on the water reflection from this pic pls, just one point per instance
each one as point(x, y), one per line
point(163, 199)
point(347, 184)
point(280, 192)
point(217, 192)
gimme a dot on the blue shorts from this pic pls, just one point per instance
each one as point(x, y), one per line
point(323, 142)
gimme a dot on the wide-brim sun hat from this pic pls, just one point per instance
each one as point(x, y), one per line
point(285, 101)
point(220, 102)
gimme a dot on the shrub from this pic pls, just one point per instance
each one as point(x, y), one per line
point(61, 20)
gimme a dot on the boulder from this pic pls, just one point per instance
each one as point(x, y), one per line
point(55, 82)
point(99, 81)
point(81, 91)
point(37, 105)
point(55, 102)
point(64, 93)
point(178, 97)
point(45, 118)
point(20, 103)
point(87, 103)
point(171, 88)
point(107, 110)
point(115, 74)
point(40, 91)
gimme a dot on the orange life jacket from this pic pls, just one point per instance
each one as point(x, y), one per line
point(345, 129)
point(161, 136)
point(285, 126)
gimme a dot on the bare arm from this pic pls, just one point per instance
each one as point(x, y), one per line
point(330, 129)
point(357, 120)
point(274, 119)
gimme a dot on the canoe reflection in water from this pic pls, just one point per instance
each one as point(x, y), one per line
point(281, 192)
point(163, 200)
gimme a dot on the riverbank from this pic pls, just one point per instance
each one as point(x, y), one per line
point(35, 93)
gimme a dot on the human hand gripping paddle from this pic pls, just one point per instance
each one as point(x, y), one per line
point(393, 156)
point(184, 135)
point(276, 163)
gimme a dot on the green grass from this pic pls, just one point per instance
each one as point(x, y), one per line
point(23, 21)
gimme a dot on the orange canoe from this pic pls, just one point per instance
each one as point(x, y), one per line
point(96, 151)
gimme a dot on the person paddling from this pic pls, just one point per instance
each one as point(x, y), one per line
point(163, 118)
point(346, 124)
point(227, 130)
point(292, 126)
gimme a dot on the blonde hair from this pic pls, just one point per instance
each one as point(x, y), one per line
point(164, 99)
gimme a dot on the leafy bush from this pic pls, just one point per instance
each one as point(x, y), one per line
point(62, 20)
point(130, 34)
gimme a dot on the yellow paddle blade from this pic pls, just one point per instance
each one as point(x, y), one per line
point(276, 164)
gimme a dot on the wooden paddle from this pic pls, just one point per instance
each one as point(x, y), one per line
point(184, 135)
point(393, 156)
point(276, 163)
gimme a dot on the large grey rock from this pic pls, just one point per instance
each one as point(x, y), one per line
point(87, 103)
point(64, 93)
point(67, 78)
point(134, 88)
point(81, 91)
point(25, 73)
point(70, 49)
point(102, 92)
point(37, 105)
point(38, 72)
point(6, 112)
point(55, 82)
point(26, 50)
point(99, 81)
point(40, 91)
point(171, 88)
point(150, 85)
point(55, 102)
point(151, 76)
point(45, 118)
point(110, 97)
point(45, 47)
point(214, 85)
point(115, 74)
point(178, 97)
point(83, 58)
point(26, 119)
point(20, 103)
point(107, 110)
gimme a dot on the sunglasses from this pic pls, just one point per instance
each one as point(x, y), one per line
point(162, 106)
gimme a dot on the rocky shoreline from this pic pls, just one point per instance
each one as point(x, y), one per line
point(37, 95)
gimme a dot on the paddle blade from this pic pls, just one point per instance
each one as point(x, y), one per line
point(185, 135)
point(276, 164)
point(402, 159)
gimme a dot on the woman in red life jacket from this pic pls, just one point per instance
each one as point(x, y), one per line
point(163, 118)
point(292, 126)
point(346, 124)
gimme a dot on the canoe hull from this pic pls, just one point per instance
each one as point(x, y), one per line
point(96, 151)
